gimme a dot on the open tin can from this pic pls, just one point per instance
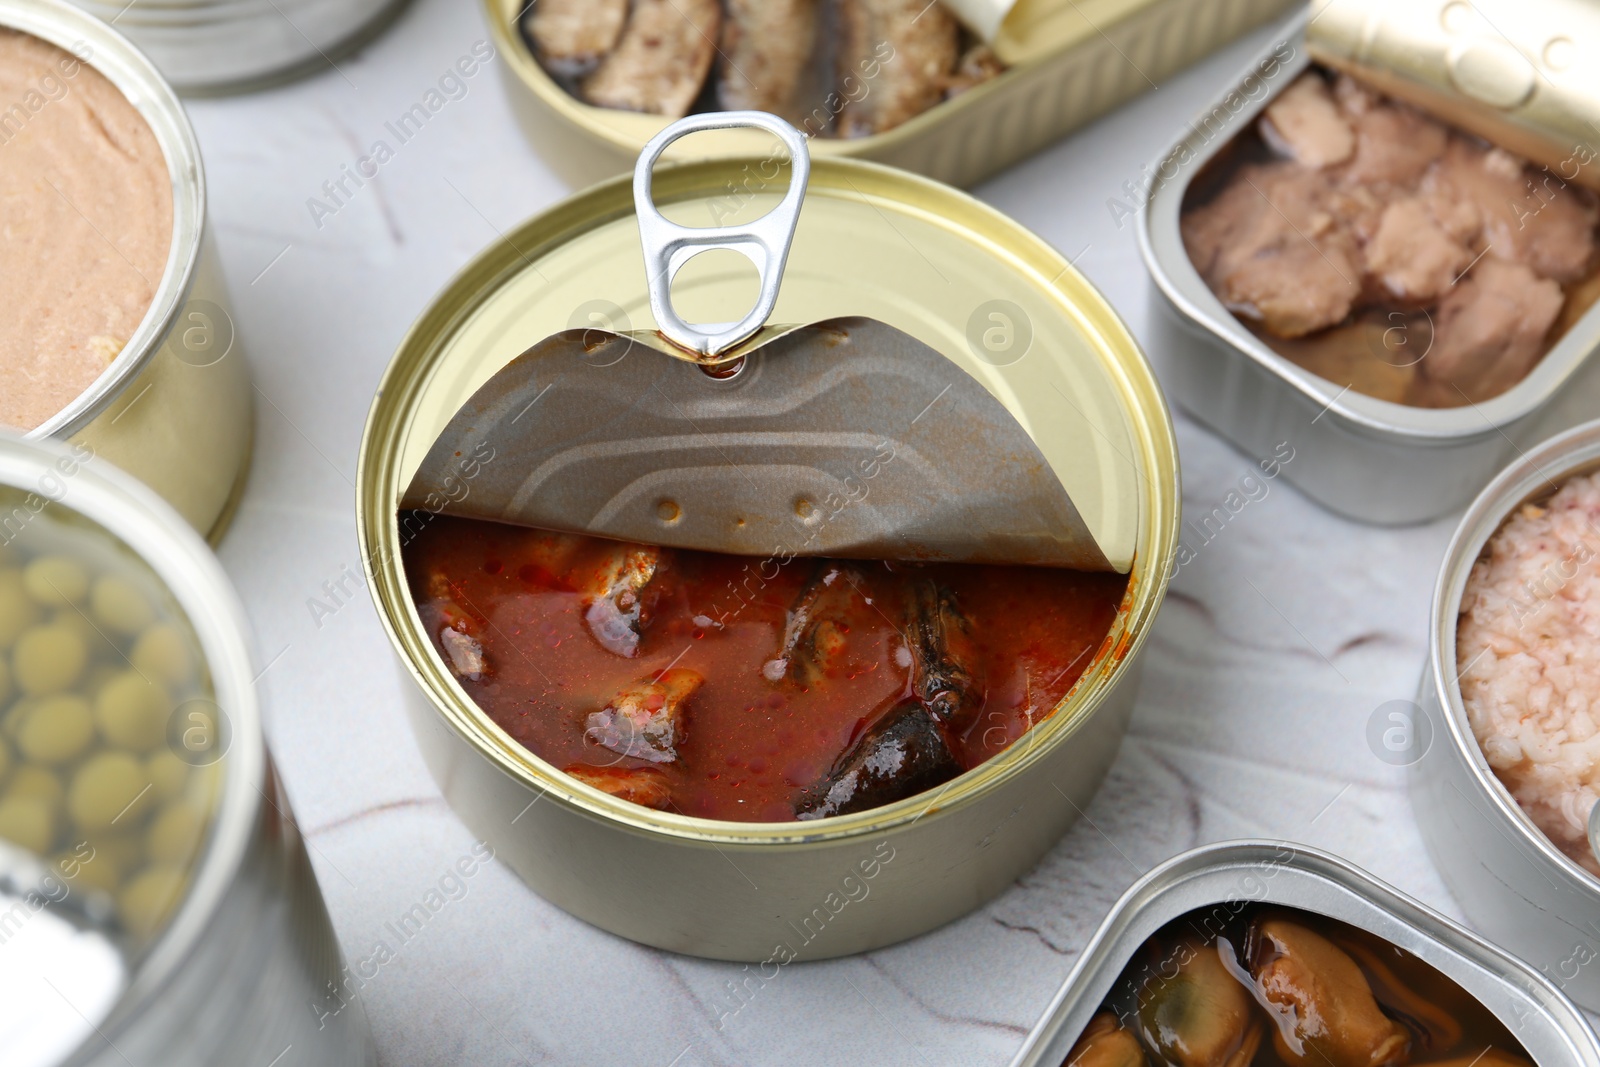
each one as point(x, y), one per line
point(1219, 881)
point(174, 408)
point(1513, 883)
point(1068, 65)
point(213, 47)
point(911, 267)
point(1367, 458)
point(157, 906)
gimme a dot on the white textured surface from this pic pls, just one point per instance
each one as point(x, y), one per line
point(1251, 720)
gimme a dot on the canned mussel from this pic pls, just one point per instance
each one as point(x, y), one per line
point(1259, 953)
point(1383, 243)
point(1506, 791)
point(156, 903)
point(116, 334)
point(795, 611)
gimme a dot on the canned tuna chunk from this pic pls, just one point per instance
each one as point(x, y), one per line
point(1354, 249)
point(689, 572)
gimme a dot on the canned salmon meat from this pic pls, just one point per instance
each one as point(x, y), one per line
point(117, 334)
point(1387, 252)
point(877, 63)
point(1529, 660)
point(1239, 983)
point(724, 583)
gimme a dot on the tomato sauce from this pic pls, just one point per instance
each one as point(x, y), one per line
point(514, 613)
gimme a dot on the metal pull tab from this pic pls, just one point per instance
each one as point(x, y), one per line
point(764, 242)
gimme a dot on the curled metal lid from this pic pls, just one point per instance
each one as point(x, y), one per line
point(1525, 75)
point(756, 440)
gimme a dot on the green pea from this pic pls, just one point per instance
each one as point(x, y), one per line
point(17, 609)
point(175, 834)
point(118, 605)
point(162, 653)
point(35, 783)
point(58, 729)
point(145, 901)
point(29, 822)
point(169, 773)
point(131, 712)
point(56, 581)
point(109, 788)
point(48, 659)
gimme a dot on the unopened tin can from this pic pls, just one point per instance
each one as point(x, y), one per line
point(187, 927)
point(213, 47)
point(175, 407)
point(1227, 877)
point(1366, 458)
point(870, 242)
point(1512, 882)
point(1094, 61)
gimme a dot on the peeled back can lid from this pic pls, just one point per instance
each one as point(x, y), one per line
point(1523, 74)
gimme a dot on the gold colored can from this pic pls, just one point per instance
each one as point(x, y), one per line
point(1070, 61)
point(870, 242)
point(175, 407)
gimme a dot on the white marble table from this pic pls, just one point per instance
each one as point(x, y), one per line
point(1251, 720)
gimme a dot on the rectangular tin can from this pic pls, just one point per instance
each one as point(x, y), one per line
point(1512, 882)
point(247, 966)
point(1234, 873)
point(1097, 60)
point(1365, 458)
point(867, 243)
point(175, 407)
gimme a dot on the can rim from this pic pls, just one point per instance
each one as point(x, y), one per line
point(377, 492)
point(132, 514)
point(1574, 452)
point(1104, 956)
point(1161, 247)
point(136, 77)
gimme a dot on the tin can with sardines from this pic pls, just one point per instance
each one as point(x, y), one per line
point(1383, 241)
point(1505, 791)
point(1273, 953)
point(157, 908)
point(955, 89)
point(827, 614)
point(117, 334)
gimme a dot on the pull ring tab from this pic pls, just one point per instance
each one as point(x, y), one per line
point(764, 242)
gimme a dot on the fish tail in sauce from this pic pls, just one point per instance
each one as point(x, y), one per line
point(618, 608)
point(644, 786)
point(816, 628)
point(645, 720)
point(904, 753)
point(939, 638)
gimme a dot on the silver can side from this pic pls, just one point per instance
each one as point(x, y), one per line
point(1365, 458)
point(247, 964)
point(1511, 881)
point(175, 407)
point(217, 47)
point(1233, 874)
